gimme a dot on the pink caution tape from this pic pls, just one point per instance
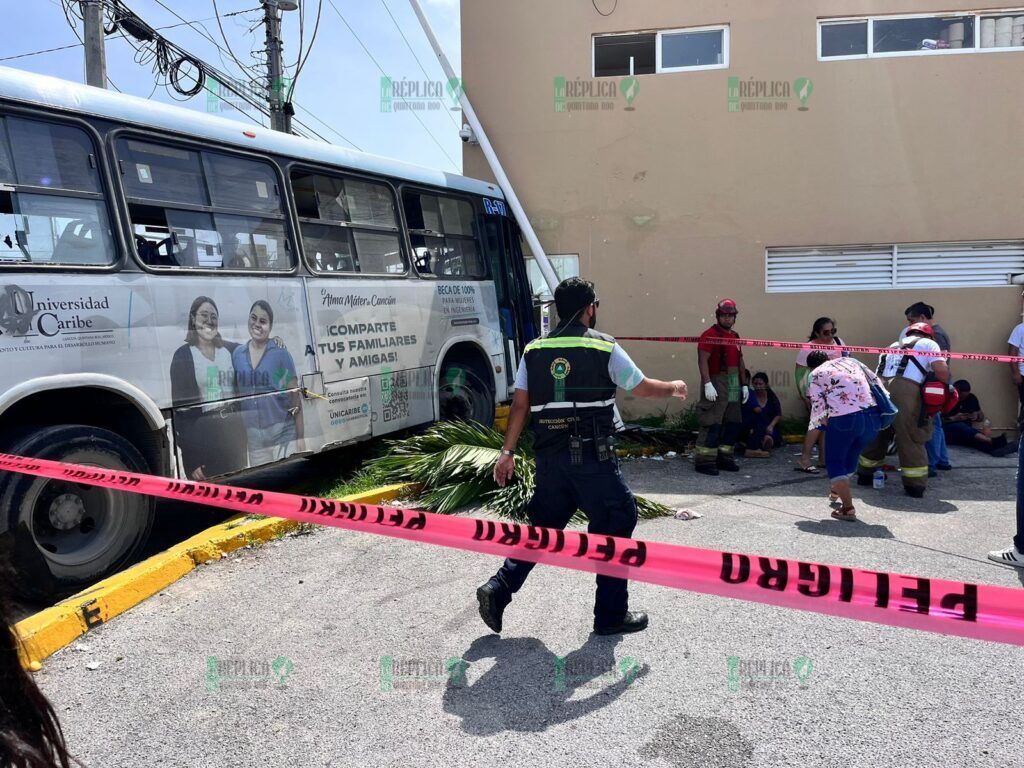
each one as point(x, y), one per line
point(823, 347)
point(934, 605)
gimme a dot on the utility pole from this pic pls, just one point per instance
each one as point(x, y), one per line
point(280, 107)
point(95, 52)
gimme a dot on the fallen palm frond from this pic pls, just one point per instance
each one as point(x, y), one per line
point(453, 462)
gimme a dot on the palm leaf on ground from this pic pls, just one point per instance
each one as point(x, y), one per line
point(452, 462)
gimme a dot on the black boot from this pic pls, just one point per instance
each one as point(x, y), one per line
point(493, 601)
point(865, 480)
point(914, 491)
point(727, 463)
point(706, 468)
point(631, 622)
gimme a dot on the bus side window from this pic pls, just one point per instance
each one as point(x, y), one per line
point(348, 225)
point(443, 236)
point(53, 211)
point(197, 209)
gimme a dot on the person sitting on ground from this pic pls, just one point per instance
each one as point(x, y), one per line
point(842, 405)
point(959, 429)
point(761, 416)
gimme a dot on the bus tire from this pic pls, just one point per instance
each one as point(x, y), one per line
point(464, 395)
point(68, 535)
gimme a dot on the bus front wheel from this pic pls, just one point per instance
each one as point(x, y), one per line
point(68, 535)
point(465, 395)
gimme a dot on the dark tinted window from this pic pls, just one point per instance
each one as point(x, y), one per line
point(51, 155)
point(159, 172)
point(844, 39)
point(612, 54)
point(237, 182)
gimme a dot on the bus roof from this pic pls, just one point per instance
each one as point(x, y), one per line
point(17, 85)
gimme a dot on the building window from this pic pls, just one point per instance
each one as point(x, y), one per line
point(871, 268)
point(920, 34)
point(614, 54)
point(670, 50)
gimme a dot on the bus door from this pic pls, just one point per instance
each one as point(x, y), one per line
point(515, 300)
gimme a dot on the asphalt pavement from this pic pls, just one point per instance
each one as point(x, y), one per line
point(343, 649)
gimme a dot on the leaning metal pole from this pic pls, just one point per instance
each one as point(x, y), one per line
point(550, 277)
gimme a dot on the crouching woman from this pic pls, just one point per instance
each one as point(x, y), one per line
point(842, 406)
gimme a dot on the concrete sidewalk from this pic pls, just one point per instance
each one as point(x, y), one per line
point(338, 649)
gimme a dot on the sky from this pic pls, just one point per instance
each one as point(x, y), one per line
point(340, 84)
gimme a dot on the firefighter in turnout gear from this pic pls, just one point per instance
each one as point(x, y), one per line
point(566, 384)
point(904, 375)
point(723, 391)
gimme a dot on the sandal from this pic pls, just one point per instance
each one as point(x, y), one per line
point(845, 513)
point(834, 502)
point(810, 469)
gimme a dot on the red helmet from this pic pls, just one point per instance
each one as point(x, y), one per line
point(924, 329)
point(727, 307)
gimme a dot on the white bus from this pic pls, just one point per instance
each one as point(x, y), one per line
point(189, 296)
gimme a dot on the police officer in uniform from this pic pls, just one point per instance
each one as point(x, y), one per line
point(567, 382)
point(904, 375)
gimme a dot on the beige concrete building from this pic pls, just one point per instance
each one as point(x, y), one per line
point(880, 144)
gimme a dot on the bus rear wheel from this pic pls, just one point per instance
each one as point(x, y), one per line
point(68, 535)
point(464, 395)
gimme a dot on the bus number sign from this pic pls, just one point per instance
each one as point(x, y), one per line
point(495, 207)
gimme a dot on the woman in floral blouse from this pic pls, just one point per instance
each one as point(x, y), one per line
point(842, 406)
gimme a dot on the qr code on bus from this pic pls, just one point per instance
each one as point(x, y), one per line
point(395, 396)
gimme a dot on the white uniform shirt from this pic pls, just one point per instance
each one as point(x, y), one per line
point(1017, 339)
point(912, 372)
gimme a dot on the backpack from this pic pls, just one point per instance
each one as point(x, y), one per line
point(936, 397)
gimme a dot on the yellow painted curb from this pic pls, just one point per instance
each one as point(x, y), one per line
point(501, 417)
point(56, 627)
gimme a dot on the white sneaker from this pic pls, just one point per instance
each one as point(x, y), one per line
point(1011, 556)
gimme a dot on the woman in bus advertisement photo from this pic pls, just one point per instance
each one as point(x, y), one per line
point(211, 436)
point(264, 367)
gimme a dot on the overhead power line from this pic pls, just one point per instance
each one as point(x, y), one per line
point(117, 36)
point(379, 67)
point(409, 46)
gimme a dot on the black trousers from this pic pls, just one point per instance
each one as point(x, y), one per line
point(598, 489)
